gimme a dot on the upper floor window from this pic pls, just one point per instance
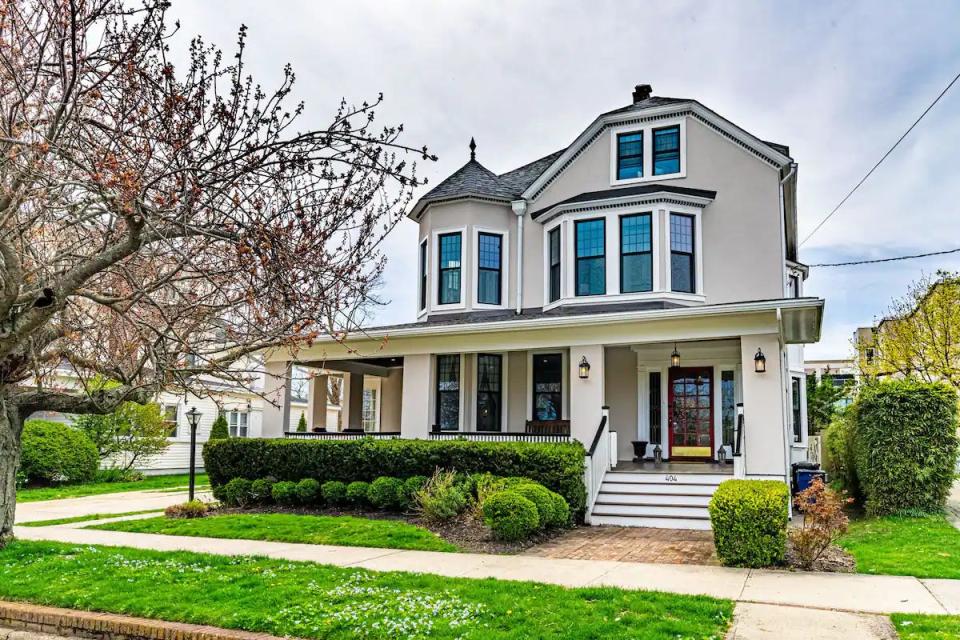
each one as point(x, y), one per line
point(682, 258)
point(636, 253)
point(630, 155)
point(554, 263)
point(449, 271)
point(666, 150)
point(490, 259)
point(591, 271)
point(423, 275)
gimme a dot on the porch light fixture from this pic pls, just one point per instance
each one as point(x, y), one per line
point(584, 370)
point(760, 362)
point(675, 357)
point(193, 419)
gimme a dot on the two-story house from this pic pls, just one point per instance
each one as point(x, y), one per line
point(641, 284)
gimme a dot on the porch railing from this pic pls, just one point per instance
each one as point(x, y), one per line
point(597, 461)
point(498, 436)
point(339, 435)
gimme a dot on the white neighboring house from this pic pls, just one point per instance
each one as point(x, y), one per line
point(642, 283)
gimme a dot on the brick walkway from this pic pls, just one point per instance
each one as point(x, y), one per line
point(631, 544)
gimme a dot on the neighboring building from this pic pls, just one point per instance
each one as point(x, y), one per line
point(647, 272)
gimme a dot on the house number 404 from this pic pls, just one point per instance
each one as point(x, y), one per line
point(670, 478)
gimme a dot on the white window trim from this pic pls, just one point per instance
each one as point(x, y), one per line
point(373, 383)
point(504, 388)
point(177, 436)
point(697, 247)
point(804, 427)
point(554, 224)
point(564, 381)
point(238, 413)
point(423, 264)
point(647, 130)
point(504, 268)
point(434, 283)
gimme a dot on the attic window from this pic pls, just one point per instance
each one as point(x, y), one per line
point(666, 150)
point(630, 155)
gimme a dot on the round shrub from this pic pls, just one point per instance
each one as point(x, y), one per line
point(561, 511)
point(411, 486)
point(308, 491)
point(261, 491)
point(285, 493)
point(540, 497)
point(55, 452)
point(238, 493)
point(749, 520)
point(386, 493)
point(357, 493)
point(334, 493)
point(511, 516)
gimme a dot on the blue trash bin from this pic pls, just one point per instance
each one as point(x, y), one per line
point(805, 477)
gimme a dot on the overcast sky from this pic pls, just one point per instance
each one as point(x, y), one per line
point(837, 82)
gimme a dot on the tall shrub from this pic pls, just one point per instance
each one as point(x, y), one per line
point(905, 445)
point(838, 454)
point(302, 423)
point(749, 521)
point(55, 452)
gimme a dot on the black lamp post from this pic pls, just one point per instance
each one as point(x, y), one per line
point(193, 417)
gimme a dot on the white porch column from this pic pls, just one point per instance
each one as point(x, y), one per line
point(586, 397)
point(317, 402)
point(416, 404)
point(352, 405)
point(276, 391)
point(764, 432)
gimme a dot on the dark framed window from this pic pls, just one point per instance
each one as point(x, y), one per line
point(636, 253)
point(682, 258)
point(666, 150)
point(794, 286)
point(591, 267)
point(448, 392)
point(654, 395)
point(488, 277)
point(630, 155)
point(554, 239)
point(795, 401)
point(547, 386)
point(728, 406)
point(449, 280)
point(423, 275)
point(489, 391)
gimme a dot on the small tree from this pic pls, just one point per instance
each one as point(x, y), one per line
point(823, 522)
point(823, 397)
point(219, 430)
point(133, 434)
point(302, 424)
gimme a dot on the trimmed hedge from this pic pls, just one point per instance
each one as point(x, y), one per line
point(558, 467)
point(749, 520)
point(905, 445)
point(838, 456)
point(55, 452)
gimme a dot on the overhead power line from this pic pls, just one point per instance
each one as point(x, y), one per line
point(895, 259)
point(879, 162)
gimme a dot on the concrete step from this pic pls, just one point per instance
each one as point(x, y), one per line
point(646, 488)
point(678, 499)
point(667, 478)
point(655, 522)
point(655, 510)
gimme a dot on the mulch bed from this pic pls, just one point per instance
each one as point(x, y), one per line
point(833, 560)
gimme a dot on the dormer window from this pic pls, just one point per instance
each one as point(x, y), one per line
point(648, 153)
point(630, 155)
point(591, 269)
point(666, 150)
point(449, 268)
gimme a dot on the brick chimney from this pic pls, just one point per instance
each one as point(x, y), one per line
point(641, 92)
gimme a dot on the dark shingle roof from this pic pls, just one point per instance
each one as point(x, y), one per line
point(638, 190)
point(649, 103)
point(471, 179)
point(522, 177)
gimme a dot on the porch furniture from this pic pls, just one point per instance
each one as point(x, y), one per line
point(639, 450)
point(548, 427)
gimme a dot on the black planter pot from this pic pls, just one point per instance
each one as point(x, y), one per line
point(639, 450)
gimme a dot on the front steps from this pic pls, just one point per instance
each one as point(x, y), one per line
point(669, 499)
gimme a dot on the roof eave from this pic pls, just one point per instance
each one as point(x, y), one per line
point(424, 203)
point(552, 211)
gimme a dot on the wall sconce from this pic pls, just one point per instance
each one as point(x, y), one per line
point(760, 362)
point(584, 368)
point(675, 357)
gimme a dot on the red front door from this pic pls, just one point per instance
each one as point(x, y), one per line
point(690, 407)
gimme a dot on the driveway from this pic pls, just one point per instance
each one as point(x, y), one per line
point(103, 504)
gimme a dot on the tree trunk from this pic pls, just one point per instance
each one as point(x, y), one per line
point(10, 428)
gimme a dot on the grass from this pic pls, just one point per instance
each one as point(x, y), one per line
point(926, 547)
point(93, 516)
point(317, 601)
point(284, 527)
point(919, 627)
point(36, 494)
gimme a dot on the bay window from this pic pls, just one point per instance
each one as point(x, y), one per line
point(489, 279)
point(423, 275)
point(449, 268)
point(591, 270)
point(636, 253)
point(682, 256)
point(554, 238)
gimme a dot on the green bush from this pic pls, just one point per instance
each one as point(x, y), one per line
point(411, 486)
point(285, 493)
point(357, 493)
point(441, 498)
point(237, 493)
point(334, 493)
point(561, 511)
point(302, 423)
point(540, 497)
point(187, 510)
point(511, 516)
point(749, 520)
point(55, 452)
point(386, 493)
point(905, 445)
point(308, 491)
point(261, 491)
point(838, 458)
point(220, 430)
point(117, 475)
point(558, 467)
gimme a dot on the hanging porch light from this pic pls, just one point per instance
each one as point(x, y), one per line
point(675, 357)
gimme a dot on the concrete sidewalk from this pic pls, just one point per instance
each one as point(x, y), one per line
point(838, 592)
point(105, 503)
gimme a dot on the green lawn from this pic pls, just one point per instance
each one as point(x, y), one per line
point(317, 601)
point(86, 518)
point(917, 627)
point(922, 547)
point(98, 488)
point(287, 527)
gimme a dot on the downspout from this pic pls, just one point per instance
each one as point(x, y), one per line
point(520, 209)
point(783, 225)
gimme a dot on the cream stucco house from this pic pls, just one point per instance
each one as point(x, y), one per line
point(640, 284)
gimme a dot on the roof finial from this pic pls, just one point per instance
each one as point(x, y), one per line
point(473, 149)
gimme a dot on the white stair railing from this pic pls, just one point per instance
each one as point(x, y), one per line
point(597, 461)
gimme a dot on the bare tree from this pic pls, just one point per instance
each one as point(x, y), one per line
point(158, 226)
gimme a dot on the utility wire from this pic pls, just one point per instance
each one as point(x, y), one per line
point(889, 151)
point(858, 262)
